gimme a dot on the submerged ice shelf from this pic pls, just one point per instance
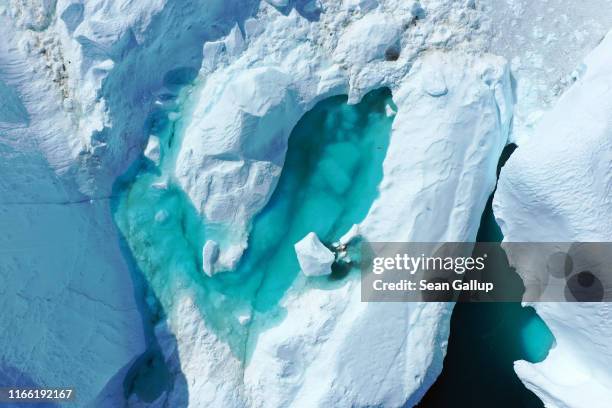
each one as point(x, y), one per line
point(329, 180)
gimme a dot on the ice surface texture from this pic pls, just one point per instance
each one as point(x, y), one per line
point(209, 92)
point(556, 187)
point(221, 85)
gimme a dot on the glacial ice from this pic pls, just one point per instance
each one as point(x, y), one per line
point(285, 365)
point(128, 69)
point(315, 259)
point(556, 188)
point(210, 91)
point(70, 315)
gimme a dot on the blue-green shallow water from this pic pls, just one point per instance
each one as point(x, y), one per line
point(330, 178)
point(485, 340)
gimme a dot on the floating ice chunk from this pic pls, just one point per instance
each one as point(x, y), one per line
point(244, 316)
point(161, 216)
point(314, 258)
point(160, 185)
point(152, 151)
point(210, 254)
point(389, 111)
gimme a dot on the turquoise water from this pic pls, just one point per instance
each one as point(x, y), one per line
point(485, 340)
point(536, 339)
point(330, 178)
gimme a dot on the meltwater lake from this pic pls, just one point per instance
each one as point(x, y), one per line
point(329, 180)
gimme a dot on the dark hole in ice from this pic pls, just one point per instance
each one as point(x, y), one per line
point(392, 53)
point(340, 270)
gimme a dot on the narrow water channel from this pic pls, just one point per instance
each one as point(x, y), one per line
point(485, 340)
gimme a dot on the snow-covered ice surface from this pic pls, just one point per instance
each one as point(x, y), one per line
point(86, 86)
point(69, 315)
point(557, 187)
point(545, 42)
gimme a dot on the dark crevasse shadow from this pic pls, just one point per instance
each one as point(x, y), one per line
point(485, 340)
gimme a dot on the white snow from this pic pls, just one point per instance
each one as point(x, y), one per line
point(556, 187)
point(314, 257)
point(367, 39)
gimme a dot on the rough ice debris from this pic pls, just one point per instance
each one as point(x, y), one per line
point(315, 258)
point(368, 39)
point(361, 5)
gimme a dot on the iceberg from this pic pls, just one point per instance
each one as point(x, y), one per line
point(209, 93)
point(314, 257)
point(555, 188)
point(160, 159)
